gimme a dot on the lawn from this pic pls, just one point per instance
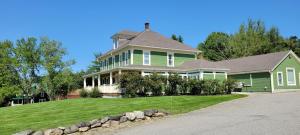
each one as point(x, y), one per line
point(66, 112)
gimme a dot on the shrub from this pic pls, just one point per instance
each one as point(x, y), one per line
point(211, 87)
point(95, 93)
point(196, 86)
point(154, 84)
point(83, 93)
point(132, 83)
point(229, 85)
point(184, 86)
point(174, 81)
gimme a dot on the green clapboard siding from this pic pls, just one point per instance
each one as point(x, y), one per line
point(220, 76)
point(261, 82)
point(290, 62)
point(138, 57)
point(158, 58)
point(181, 58)
point(208, 76)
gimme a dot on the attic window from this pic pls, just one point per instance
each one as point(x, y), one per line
point(116, 43)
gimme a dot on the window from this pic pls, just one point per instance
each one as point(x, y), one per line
point(146, 58)
point(170, 59)
point(116, 43)
point(279, 79)
point(291, 77)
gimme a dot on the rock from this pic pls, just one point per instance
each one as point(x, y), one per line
point(159, 114)
point(38, 133)
point(96, 125)
point(26, 132)
point(83, 124)
point(139, 114)
point(105, 119)
point(130, 116)
point(106, 124)
point(83, 129)
point(92, 122)
point(150, 113)
point(114, 123)
point(55, 131)
point(71, 129)
point(116, 118)
point(62, 128)
point(147, 118)
point(123, 119)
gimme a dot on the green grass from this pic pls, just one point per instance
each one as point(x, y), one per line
point(66, 112)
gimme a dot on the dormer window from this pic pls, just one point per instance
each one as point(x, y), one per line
point(116, 43)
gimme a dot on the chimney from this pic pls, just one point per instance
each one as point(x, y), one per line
point(147, 26)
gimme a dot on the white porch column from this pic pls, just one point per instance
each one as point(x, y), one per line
point(214, 75)
point(84, 83)
point(99, 81)
point(225, 75)
point(110, 78)
point(143, 73)
point(93, 82)
point(201, 75)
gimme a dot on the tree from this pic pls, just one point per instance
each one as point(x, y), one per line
point(154, 84)
point(9, 78)
point(174, 81)
point(95, 65)
point(216, 47)
point(177, 38)
point(28, 62)
point(132, 83)
point(52, 61)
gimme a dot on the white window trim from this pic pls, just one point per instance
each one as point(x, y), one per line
point(287, 82)
point(146, 51)
point(281, 79)
point(173, 62)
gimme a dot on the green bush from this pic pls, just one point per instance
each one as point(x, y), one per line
point(154, 84)
point(174, 81)
point(95, 93)
point(229, 85)
point(131, 82)
point(184, 86)
point(211, 87)
point(196, 86)
point(83, 93)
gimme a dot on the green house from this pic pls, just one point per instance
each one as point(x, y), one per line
point(273, 72)
point(147, 52)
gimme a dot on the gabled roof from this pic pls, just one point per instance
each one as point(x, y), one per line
point(202, 64)
point(150, 39)
point(257, 63)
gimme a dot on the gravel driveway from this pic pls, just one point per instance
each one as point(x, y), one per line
point(258, 114)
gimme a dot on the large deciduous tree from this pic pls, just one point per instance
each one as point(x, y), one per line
point(9, 78)
point(27, 54)
point(52, 61)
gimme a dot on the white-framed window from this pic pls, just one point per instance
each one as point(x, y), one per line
point(290, 76)
point(170, 59)
point(279, 79)
point(146, 58)
point(116, 43)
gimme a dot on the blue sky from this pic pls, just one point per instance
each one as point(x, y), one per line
point(85, 26)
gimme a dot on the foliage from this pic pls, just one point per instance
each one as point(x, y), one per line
point(174, 80)
point(228, 86)
point(184, 86)
point(95, 93)
point(196, 86)
point(52, 61)
point(212, 87)
point(27, 54)
point(216, 46)
point(252, 38)
point(154, 84)
point(132, 83)
point(83, 93)
point(9, 77)
point(177, 38)
point(95, 65)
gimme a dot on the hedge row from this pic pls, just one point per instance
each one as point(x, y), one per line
point(157, 85)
